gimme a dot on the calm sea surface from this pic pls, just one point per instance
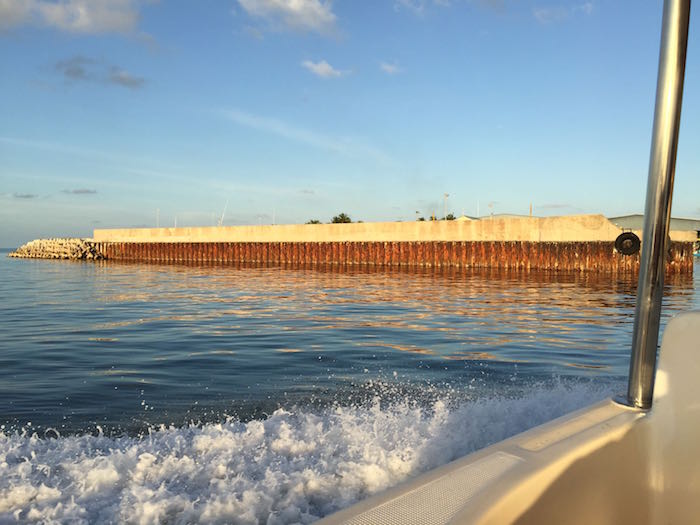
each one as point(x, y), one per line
point(252, 394)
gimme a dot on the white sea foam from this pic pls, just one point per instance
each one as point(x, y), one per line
point(292, 467)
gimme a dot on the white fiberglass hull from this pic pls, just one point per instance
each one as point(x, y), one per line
point(604, 464)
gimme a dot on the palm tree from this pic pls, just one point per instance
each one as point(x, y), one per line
point(341, 219)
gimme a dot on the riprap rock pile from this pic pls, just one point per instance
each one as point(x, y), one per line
point(74, 249)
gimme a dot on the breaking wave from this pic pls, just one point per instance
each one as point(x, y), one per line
point(294, 466)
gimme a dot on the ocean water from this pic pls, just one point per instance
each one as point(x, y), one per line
point(247, 394)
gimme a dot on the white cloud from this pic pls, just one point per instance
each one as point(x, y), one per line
point(118, 161)
point(418, 7)
point(303, 15)
point(549, 15)
point(90, 16)
point(343, 146)
point(282, 129)
point(125, 79)
point(13, 13)
point(390, 69)
point(322, 69)
point(73, 16)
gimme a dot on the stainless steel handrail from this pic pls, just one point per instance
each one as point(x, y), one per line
point(657, 214)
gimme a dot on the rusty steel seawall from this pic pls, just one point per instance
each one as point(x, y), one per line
point(564, 256)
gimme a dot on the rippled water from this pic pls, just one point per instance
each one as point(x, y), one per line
point(252, 394)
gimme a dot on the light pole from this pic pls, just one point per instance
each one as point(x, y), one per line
point(445, 214)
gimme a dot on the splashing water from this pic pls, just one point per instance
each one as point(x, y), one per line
point(290, 467)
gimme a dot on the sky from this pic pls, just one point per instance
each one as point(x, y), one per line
point(130, 113)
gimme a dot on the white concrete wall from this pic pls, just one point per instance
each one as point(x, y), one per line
point(570, 228)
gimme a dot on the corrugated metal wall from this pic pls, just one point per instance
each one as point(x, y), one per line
point(579, 256)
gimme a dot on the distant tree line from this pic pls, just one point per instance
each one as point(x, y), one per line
point(448, 217)
point(341, 218)
point(344, 218)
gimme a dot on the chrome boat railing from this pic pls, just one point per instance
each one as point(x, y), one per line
point(657, 213)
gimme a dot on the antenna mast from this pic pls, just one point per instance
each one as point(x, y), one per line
point(221, 220)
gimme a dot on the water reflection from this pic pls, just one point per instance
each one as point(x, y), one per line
point(99, 342)
point(500, 315)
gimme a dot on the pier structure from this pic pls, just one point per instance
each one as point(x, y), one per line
point(568, 243)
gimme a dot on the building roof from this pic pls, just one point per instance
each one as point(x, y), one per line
point(635, 222)
point(506, 216)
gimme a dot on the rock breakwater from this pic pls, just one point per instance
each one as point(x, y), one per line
point(70, 248)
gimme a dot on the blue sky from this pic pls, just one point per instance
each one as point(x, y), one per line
point(119, 113)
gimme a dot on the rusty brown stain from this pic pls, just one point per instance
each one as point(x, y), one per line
point(512, 255)
point(277, 252)
point(444, 254)
point(370, 255)
point(363, 254)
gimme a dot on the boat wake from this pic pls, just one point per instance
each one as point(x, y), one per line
point(293, 466)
